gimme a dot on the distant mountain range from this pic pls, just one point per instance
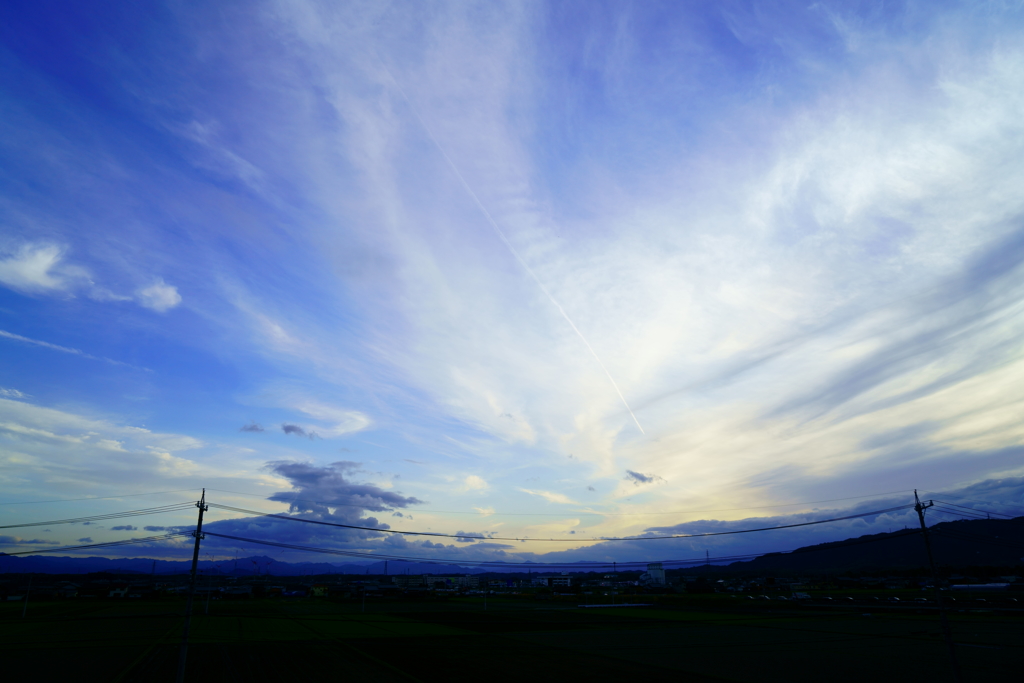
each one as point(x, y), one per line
point(983, 542)
point(247, 566)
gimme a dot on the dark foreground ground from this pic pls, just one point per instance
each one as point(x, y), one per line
point(695, 639)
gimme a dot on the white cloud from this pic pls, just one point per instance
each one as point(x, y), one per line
point(159, 296)
point(551, 496)
point(53, 450)
point(12, 393)
point(38, 268)
point(41, 268)
point(474, 483)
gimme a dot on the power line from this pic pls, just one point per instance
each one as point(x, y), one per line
point(556, 540)
point(73, 500)
point(948, 494)
point(959, 514)
point(99, 518)
point(505, 564)
point(578, 512)
point(110, 544)
point(574, 564)
point(984, 512)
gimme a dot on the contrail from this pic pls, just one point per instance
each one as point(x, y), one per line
point(508, 245)
point(66, 349)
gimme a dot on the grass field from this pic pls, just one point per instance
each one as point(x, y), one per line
point(458, 640)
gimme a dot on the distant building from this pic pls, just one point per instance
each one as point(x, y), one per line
point(451, 581)
point(980, 587)
point(407, 581)
point(552, 581)
point(654, 576)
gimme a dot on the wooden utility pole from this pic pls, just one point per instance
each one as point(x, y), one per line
point(198, 533)
point(28, 592)
point(947, 635)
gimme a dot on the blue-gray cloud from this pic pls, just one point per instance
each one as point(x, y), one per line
point(14, 540)
point(296, 430)
point(640, 478)
point(327, 493)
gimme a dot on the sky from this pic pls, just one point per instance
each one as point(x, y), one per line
point(524, 270)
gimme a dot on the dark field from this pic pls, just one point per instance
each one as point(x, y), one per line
point(682, 638)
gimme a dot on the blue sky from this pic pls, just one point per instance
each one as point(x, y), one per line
point(530, 269)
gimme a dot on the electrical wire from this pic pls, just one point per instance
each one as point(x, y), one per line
point(113, 515)
point(459, 561)
point(948, 494)
point(955, 513)
point(574, 564)
point(577, 512)
point(556, 540)
point(983, 512)
point(110, 544)
point(72, 500)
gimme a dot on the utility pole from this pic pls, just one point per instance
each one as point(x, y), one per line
point(209, 591)
point(28, 592)
point(920, 507)
point(198, 533)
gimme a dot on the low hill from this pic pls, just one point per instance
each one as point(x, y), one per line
point(963, 543)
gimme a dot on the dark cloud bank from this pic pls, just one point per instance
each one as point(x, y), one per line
point(334, 494)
